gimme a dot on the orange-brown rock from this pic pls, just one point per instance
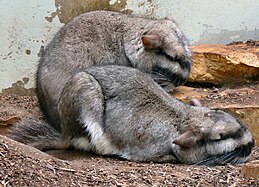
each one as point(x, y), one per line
point(250, 116)
point(251, 169)
point(220, 64)
point(185, 93)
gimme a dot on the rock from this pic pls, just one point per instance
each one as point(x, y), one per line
point(185, 93)
point(251, 169)
point(223, 65)
point(240, 102)
point(250, 116)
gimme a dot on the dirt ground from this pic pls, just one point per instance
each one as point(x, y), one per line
point(22, 165)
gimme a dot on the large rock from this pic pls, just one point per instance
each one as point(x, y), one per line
point(220, 64)
point(251, 169)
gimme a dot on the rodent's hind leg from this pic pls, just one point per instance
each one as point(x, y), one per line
point(81, 108)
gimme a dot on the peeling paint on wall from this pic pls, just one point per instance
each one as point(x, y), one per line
point(67, 9)
point(226, 36)
point(145, 7)
point(18, 88)
point(197, 17)
point(23, 31)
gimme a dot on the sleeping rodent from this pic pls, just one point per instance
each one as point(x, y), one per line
point(118, 110)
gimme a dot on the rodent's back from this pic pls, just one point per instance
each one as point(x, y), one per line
point(102, 38)
point(88, 40)
point(130, 89)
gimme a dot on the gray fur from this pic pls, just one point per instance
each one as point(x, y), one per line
point(38, 134)
point(103, 38)
point(116, 110)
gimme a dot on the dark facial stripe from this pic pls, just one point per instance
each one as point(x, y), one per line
point(176, 79)
point(183, 61)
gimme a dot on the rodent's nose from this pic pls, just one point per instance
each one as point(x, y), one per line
point(170, 74)
point(252, 143)
point(249, 147)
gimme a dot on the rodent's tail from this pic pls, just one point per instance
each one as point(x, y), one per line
point(38, 134)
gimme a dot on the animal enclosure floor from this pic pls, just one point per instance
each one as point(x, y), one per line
point(25, 166)
point(22, 165)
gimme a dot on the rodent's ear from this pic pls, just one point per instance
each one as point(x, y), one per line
point(151, 41)
point(187, 140)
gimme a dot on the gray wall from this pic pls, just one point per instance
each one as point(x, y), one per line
point(27, 25)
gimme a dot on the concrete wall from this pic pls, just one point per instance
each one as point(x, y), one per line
point(28, 25)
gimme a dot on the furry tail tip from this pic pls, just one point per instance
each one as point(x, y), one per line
point(38, 134)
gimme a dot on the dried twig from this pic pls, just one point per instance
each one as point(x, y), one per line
point(66, 169)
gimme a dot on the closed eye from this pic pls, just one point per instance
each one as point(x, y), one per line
point(163, 53)
point(236, 135)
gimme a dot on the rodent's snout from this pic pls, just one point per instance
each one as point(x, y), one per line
point(252, 143)
point(169, 74)
point(247, 149)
